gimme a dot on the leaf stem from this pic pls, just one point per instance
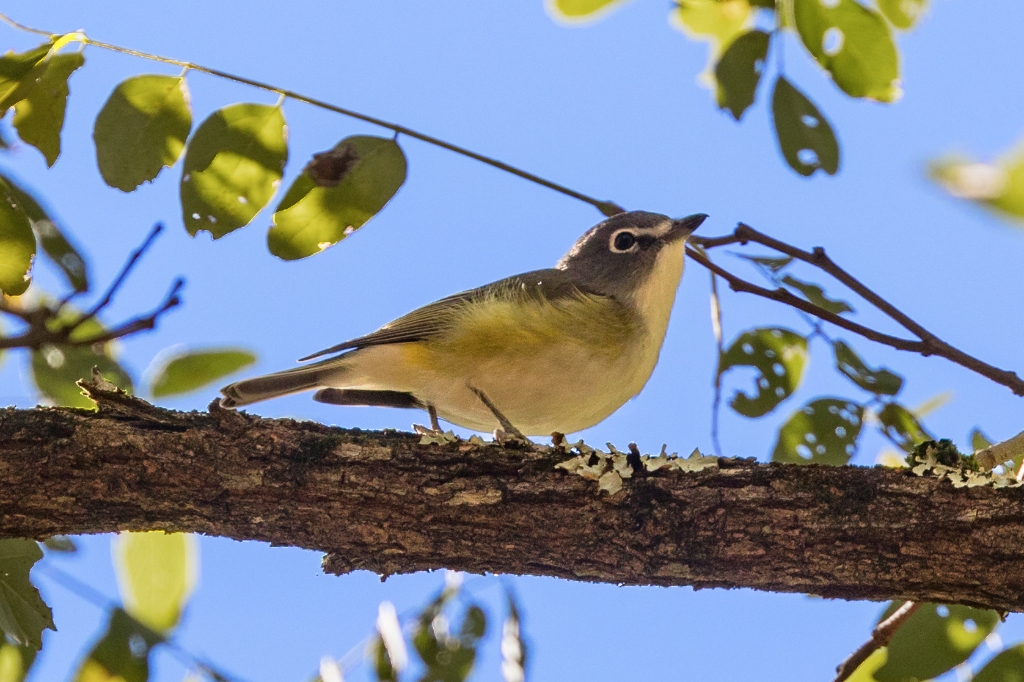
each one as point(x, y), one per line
point(608, 208)
point(880, 637)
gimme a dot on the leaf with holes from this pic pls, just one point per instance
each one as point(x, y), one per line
point(780, 357)
point(804, 134)
point(824, 431)
point(738, 72)
point(142, 129)
point(935, 639)
point(878, 381)
point(189, 371)
point(232, 168)
point(156, 573)
point(39, 116)
point(55, 245)
point(23, 613)
point(337, 193)
point(1008, 666)
point(997, 186)
point(902, 427)
point(903, 14)
point(854, 44)
point(15, 661)
point(14, 70)
point(122, 655)
point(577, 10)
point(816, 295)
point(17, 243)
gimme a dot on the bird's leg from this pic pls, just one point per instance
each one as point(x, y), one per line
point(435, 426)
point(506, 425)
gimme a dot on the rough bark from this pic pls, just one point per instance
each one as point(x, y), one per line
point(382, 502)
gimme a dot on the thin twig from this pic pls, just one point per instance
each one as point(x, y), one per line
point(608, 208)
point(880, 636)
point(46, 327)
point(928, 343)
point(737, 283)
point(119, 280)
point(97, 598)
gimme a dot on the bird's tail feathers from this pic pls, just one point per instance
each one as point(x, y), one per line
point(278, 384)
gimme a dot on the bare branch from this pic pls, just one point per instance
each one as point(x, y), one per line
point(928, 343)
point(46, 326)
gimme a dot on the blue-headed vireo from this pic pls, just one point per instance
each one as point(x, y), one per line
point(553, 350)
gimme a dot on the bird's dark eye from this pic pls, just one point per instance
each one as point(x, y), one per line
point(624, 241)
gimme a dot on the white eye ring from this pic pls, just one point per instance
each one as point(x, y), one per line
point(623, 241)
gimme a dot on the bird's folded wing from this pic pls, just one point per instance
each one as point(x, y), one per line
point(430, 320)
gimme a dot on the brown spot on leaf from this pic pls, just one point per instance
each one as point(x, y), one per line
point(329, 168)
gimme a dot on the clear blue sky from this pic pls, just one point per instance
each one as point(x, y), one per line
point(613, 110)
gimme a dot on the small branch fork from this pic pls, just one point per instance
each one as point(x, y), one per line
point(46, 325)
point(926, 343)
point(880, 637)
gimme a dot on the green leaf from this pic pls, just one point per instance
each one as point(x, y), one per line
point(14, 68)
point(448, 658)
point(865, 672)
point(717, 21)
point(878, 381)
point(738, 72)
point(232, 168)
point(335, 195)
point(1008, 666)
point(192, 370)
point(55, 369)
point(824, 431)
point(60, 543)
point(574, 10)
point(15, 661)
point(54, 243)
point(39, 116)
point(997, 186)
point(17, 243)
point(854, 44)
point(900, 425)
point(779, 355)
point(23, 613)
point(156, 573)
point(816, 295)
point(804, 134)
point(903, 14)
point(979, 441)
point(122, 655)
point(935, 639)
point(141, 129)
point(773, 265)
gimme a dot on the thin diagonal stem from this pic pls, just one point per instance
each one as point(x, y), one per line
point(606, 207)
point(929, 343)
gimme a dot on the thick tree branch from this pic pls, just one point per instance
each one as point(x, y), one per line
point(382, 502)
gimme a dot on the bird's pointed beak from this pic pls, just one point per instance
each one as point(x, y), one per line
point(684, 227)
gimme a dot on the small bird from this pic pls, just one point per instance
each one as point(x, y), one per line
point(547, 351)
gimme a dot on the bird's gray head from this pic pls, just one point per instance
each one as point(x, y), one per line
point(618, 256)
